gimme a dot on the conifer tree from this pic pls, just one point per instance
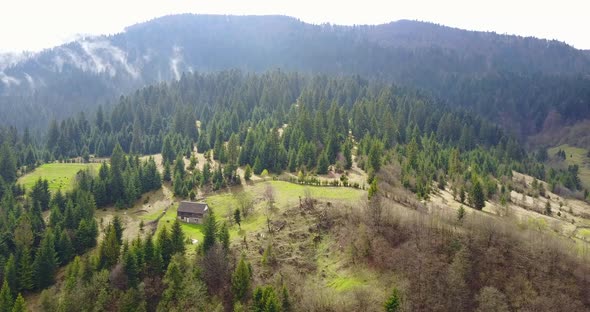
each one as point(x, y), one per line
point(117, 185)
point(241, 280)
point(373, 188)
point(46, 261)
point(173, 281)
point(177, 238)
point(347, 153)
point(285, 300)
point(238, 217)
point(178, 184)
point(258, 166)
point(109, 249)
point(476, 195)
point(247, 173)
point(165, 245)
point(25, 270)
point(224, 236)
point(118, 227)
point(209, 232)
point(460, 213)
point(167, 174)
point(11, 274)
point(64, 247)
point(7, 162)
point(131, 268)
point(19, 304)
point(393, 302)
point(323, 164)
point(179, 167)
point(6, 300)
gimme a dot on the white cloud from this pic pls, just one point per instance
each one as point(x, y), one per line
point(9, 80)
point(175, 60)
point(99, 56)
point(30, 80)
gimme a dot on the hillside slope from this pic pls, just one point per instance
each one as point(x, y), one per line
point(471, 69)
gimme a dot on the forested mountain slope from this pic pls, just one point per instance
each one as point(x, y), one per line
point(524, 78)
point(312, 131)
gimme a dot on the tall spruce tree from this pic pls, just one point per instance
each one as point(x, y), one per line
point(19, 304)
point(209, 232)
point(241, 280)
point(25, 270)
point(477, 196)
point(177, 238)
point(6, 300)
point(46, 261)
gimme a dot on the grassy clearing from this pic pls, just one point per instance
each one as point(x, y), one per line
point(223, 204)
point(287, 194)
point(575, 156)
point(335, 270)
point(584, 233)
point(59, 175)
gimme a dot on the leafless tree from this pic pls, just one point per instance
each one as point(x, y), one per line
point(269, 197)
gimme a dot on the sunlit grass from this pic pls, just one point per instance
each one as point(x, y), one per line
point(59, 175)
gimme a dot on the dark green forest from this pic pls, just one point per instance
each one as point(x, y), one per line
point(513, 81)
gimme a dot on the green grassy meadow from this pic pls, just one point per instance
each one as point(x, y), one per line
point(575, 156)
point(224, 203)
point(59, 175)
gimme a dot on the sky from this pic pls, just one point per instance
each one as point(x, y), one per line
point(34, 25)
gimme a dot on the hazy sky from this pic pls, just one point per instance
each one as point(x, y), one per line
point(34, 25)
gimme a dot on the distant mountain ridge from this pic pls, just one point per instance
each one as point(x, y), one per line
point(80, 75)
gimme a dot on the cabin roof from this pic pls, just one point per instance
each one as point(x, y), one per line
point(193, 207)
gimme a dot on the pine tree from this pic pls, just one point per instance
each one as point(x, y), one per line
point(11, 274)
point(173, 281)
point(323, 164)
point(460, 213)
point(393, 302)
point(238, 217)
point(286, 301)
point(7, 163)
point(117, 185)
point(177, 238)
point(46, 261)
point(109, 249)
point(247, 173)
point(179, 167)
point(476, 195)
point(165, 246)
point(25, 270)
point(167, 174)
point(241, 280)
point(168, 153)
point(373, 188)
point(5, 298)
point(209, 232)
point(347, 153)
point(19, 304)
point(178, 184)
point(224, 236)
point(258, 166)
point(118, 227)
point(131, 268)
